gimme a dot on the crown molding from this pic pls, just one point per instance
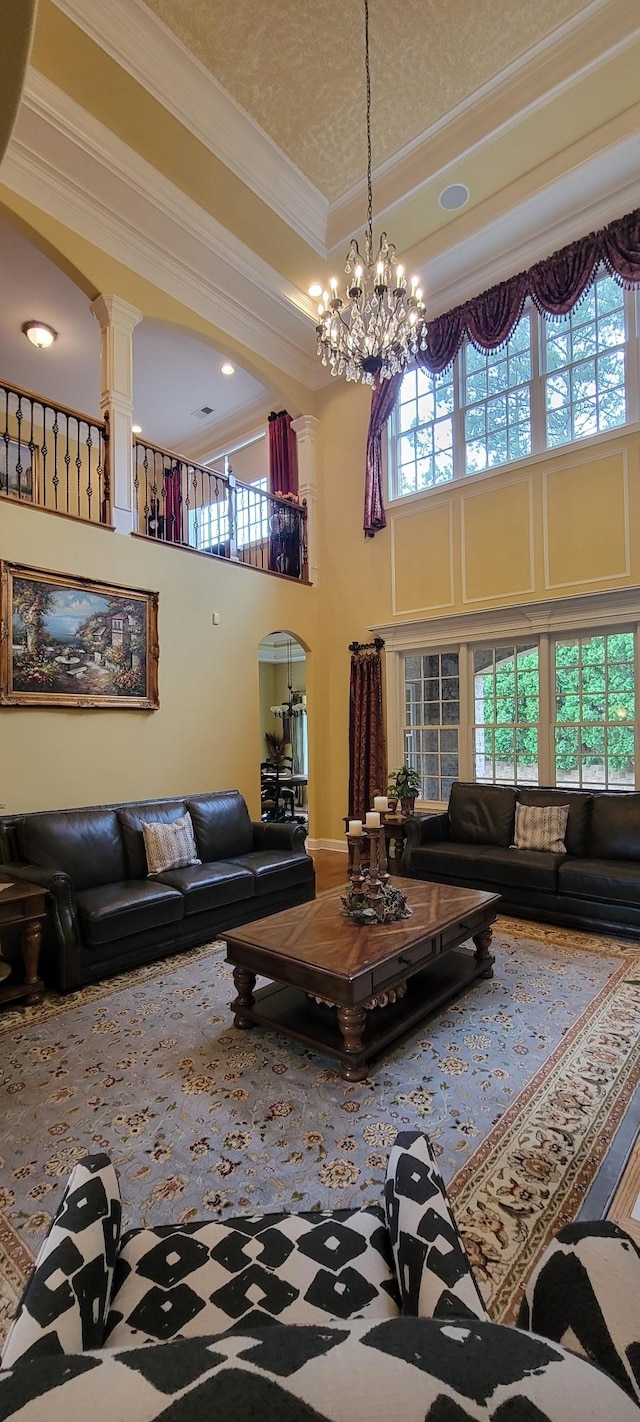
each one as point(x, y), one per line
point(557, 614)
point(70, 165)
point(152, 55)
point(578, 48)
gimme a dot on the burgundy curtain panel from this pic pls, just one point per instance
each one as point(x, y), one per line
point(173, 505)
point(555, 286)
point(367, 749)
point(283, 454)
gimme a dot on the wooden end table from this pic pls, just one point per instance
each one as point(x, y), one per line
point(26, 905)
point(350, 990)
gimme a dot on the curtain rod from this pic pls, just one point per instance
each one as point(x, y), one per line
point(375, 646)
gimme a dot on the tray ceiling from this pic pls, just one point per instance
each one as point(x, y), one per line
point(298, 70)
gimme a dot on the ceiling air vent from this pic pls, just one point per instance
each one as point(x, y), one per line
point(202, 413)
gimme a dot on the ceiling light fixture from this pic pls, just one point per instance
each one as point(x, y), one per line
point(315, 291)
point(378, 327)
point(136, 429)
point(228, 368)
point(40, 335)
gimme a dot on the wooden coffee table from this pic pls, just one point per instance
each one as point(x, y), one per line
point(350, 990)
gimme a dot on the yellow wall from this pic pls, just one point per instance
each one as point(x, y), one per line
point(206, 734)
point(560, 526)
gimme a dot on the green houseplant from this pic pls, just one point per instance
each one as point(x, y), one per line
point(405, 784)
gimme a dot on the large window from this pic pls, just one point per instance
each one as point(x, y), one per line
point(553, 382)
point(432, 704)
point(554, 710)
point(209, 524)
point(595, 711)
point(506, 706)
point(584, 365)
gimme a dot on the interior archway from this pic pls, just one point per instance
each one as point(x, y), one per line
point(284, 741)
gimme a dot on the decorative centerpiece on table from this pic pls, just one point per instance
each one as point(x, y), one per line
point(369, 897)
point(405, 785)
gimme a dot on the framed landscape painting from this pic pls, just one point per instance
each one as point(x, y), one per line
point(75, 642)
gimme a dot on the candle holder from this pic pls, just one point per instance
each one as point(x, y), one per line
point(369, 897)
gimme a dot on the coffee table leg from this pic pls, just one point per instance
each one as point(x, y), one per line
point(30, 941)
point(351, 1022)
point(245, 983)
point(484, 956)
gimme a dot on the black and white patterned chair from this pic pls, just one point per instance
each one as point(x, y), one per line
point(373, 1305)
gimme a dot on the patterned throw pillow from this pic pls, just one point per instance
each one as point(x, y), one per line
point(541, 827)
point(169, 846)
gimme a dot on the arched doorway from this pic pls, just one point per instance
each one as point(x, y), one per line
point(284, 744)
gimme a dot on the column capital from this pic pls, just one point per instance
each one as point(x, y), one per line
point(305, 426)
point(111, 310)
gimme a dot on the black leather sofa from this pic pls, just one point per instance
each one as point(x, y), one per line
point(595, 885)
point(106, 915)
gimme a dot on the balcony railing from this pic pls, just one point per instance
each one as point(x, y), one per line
point(53, 456)
point(189, 504)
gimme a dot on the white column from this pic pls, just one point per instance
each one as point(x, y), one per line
point(305, 430)
point(117, 321)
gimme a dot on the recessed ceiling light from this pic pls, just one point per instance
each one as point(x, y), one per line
point(315, 290)
point(456, 195)
point(39, 334)
point(136, 429)
point(228, 368)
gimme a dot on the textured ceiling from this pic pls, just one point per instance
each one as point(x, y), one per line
point(297, 66)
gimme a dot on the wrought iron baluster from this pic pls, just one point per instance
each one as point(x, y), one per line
point(78, 463)
point(89, 444)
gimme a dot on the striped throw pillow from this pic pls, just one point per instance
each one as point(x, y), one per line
point(541, 827)
point(169, 846)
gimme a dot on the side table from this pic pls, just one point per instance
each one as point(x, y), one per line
point(26, 905)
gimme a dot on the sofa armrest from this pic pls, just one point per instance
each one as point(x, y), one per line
point(274, 835)
point(63, 917)
point(69, 1315)
point(426, 829)
point(432, 1270)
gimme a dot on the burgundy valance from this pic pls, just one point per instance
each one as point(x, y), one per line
point(555, 285)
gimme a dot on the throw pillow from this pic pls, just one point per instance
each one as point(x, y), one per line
point(541, 827)
point(169, 846)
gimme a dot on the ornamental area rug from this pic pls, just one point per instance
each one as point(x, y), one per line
point(520, 1084)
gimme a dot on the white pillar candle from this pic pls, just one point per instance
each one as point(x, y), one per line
point(381, 803)
point(373, 819)
point(355, 828)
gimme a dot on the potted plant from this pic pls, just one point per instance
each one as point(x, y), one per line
point(405, 784)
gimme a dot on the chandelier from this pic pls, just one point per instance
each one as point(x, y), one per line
point(378, 326)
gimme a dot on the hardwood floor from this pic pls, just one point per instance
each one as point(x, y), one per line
point(624, 1209)
point(331, 869)
point(331, 873)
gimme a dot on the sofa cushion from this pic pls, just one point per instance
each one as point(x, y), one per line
point(519, 868)
point(579, 812)
point(209, 886)
point(276, 869)
point(131, 906)
point(615, 827)
point(222, 825)
point(291, 1268)
point(86, 844)
point(131, 818)
point(601, 879)
point(482, 814)
point(488, 865)
point(443, 857)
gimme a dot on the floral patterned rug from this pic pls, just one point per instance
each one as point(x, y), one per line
point(520, 1083)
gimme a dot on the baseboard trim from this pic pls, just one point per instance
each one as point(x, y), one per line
point(339, 845)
